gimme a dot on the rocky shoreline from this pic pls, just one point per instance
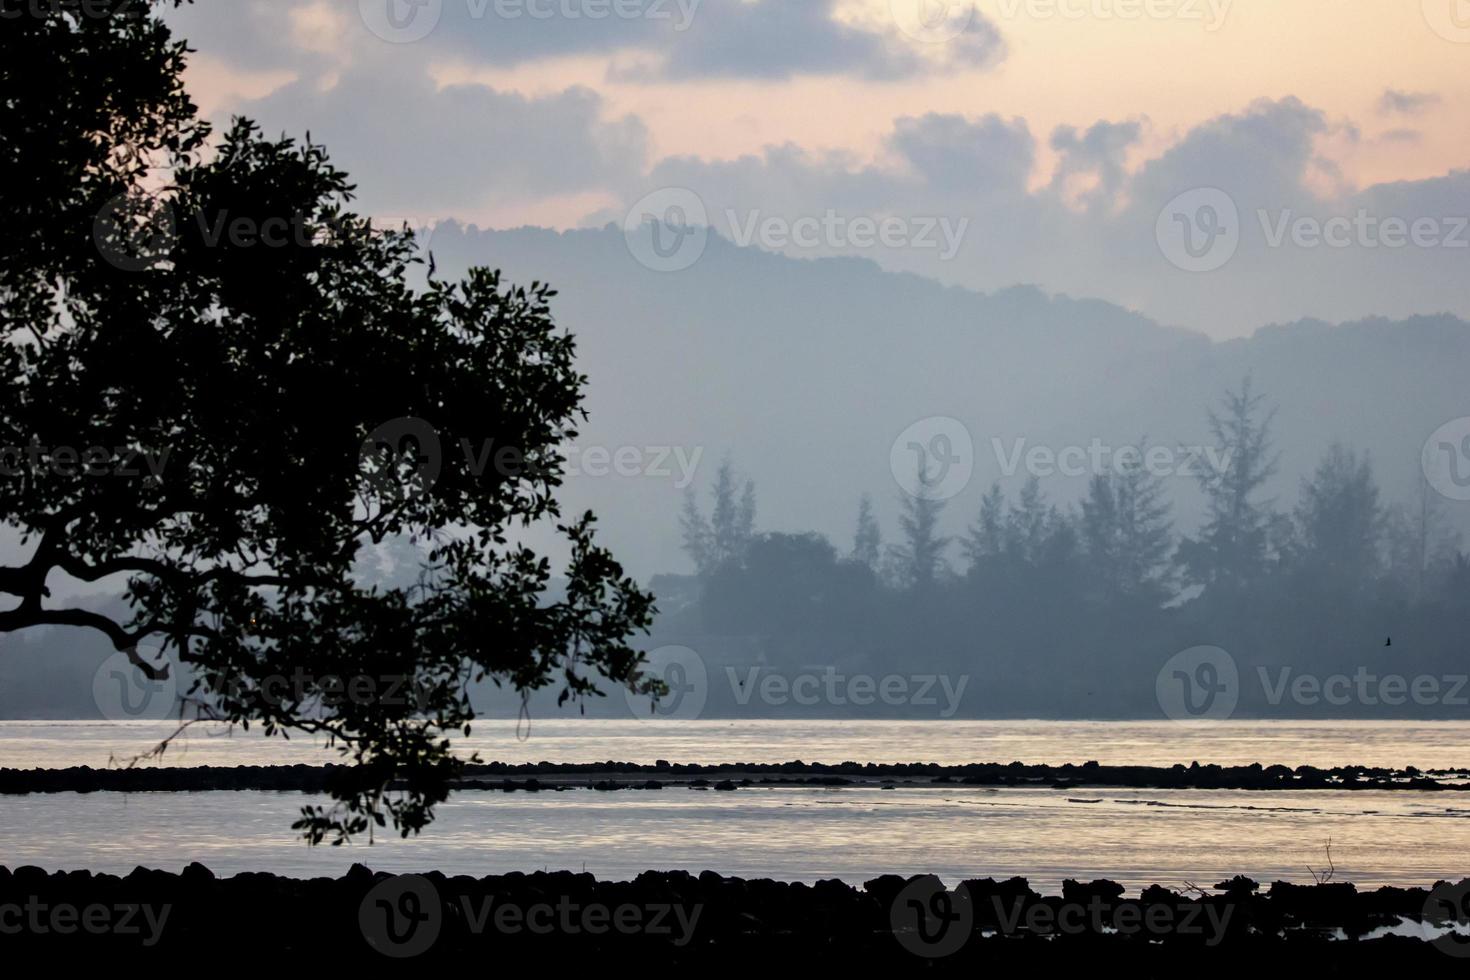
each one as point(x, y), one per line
point(677, 919)
point(605, 776)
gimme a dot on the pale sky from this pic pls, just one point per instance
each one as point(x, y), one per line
point(1010, 114)
point(1337, 55)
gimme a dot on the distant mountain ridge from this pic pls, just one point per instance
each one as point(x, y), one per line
point(805, 370)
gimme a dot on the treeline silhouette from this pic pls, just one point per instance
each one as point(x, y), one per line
point(1072, 611)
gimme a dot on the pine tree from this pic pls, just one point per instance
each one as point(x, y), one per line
point(1339, 520)
point(745, 517)
point(986, 540)
point(1421, 544)
point(696, 532)
point(1030, 523)
point(1234, 546)
point(919, 560)
point(1127, 533)
point(726, 535)
point(867, 542)
point(724, 516)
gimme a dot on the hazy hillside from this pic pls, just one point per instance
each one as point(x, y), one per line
point(805, 371)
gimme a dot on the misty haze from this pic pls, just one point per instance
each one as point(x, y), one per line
point(901, 483)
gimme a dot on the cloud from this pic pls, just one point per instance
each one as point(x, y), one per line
point(1104, 240)
point(1263, 153)
point(415, 148)
point(643, 40)
point(1089, 226)
point(988, 157)
point(776, 39)
point(1091, 168)
point(1394, 102)
point(259, 35)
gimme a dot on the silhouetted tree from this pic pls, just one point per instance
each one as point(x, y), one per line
point(986, 540)
point(1127, 533)
point(1030, 524)
point(725, 535)
point(1421, 545)
point(696, 533)
point(1233, 547)
point(918, 559)
point(1339, 521)
point(254, 373)
point(868, 540)
point(745, 518)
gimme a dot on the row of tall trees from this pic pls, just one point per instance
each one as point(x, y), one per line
point(1070, 610)
point(1120, 543)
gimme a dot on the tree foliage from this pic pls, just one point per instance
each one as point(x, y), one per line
point(867, 541)
point(723, 537)
point(918, 557)
point(213, 305)
point(1235, 543)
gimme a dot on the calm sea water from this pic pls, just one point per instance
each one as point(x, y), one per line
point(1428, 745)
point(1135, 836)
